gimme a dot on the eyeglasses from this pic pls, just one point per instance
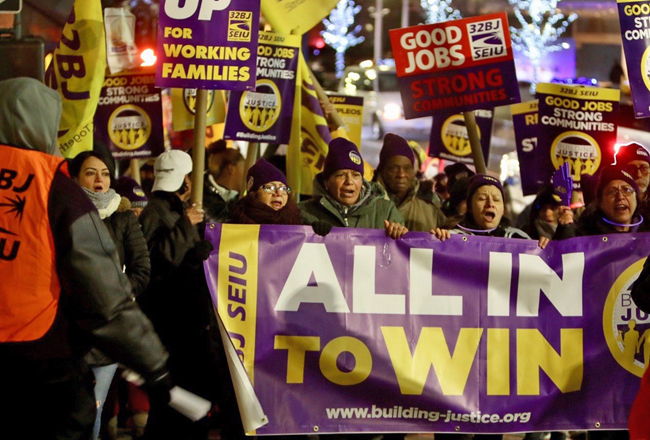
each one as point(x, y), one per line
point(644, 170)
point(627, 191)
point(272, 189)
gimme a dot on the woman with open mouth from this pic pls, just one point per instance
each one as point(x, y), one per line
point(91, 171)
point(484, 215)
point(614, 210)
point(343, 198)
point(267, 201)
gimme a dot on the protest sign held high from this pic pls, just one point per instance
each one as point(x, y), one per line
point(576, 125)
point(350, 108)
point(474, 334)
point(449, 138)
point(634, 17)
point(265, 114)
point(524, 121)
point(129, 116)
point(184, 108)
point(207, 44)
point(454, 66)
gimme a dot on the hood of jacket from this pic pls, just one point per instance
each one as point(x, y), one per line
point(30, 113)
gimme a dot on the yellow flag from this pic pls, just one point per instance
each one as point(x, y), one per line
point(310, 135)
point(77, 73)
point(284, 16)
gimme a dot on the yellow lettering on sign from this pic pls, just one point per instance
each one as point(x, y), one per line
point(534, 353)
point(432, 349)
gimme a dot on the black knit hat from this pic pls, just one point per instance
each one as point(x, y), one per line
point(614, 172)
point(632, 151)
point(479, 180)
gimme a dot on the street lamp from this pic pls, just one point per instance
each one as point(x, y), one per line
point(379, 18)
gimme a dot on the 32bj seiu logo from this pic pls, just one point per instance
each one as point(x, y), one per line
point(12, 205)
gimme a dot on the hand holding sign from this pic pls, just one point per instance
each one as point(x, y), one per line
point(563, 184)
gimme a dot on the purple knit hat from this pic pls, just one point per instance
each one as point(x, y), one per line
point(342, 155)
point(262, 173)
point(614, 172)
point(129, 188)
point(395, 145)
point(479, 180)
point(632, 151)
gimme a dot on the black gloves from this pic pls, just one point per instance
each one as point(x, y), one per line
point(202, 250)
point(321, 228)
point(158, 386)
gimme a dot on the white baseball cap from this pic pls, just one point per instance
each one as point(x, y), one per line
point(170, 170)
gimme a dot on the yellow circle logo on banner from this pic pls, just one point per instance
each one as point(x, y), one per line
point(260, 109)
point(129, 127)
point(189, 99)
point(454, 136)
point(579, 150)
point(625, 326)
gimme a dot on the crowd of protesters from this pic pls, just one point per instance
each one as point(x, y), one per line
point(123, 263)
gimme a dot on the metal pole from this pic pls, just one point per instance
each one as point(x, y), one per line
point(198, 151)
point(134, 166)
point(405, 13)
point(379, 18)
point(475, 142)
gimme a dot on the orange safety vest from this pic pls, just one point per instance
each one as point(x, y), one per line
point(29, 284)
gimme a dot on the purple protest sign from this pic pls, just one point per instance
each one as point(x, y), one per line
point(129, 116)
point(356, 332)
point(577, 125)
point(524, 121)
point(634, 17)
point(265, 115)
point(449, 139)
point(207, 44)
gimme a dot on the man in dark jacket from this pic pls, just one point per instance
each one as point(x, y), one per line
point(396, 173)
point(178, 301)
point(62, 286)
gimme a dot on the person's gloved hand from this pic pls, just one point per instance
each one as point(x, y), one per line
point(321, 228)
point(159, 385)
point(202, 250)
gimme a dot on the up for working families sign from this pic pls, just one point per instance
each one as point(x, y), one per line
point(265, 114)
point(357, 332)
point(129, 116)
point(635, 29)
point(455, 66)
point(449, 138)
point(576, 125)
point(207, 44)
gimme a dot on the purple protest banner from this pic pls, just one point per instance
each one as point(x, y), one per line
point(207, 44)
point(524, 121)
point(356, 332)
point(265, 114)
point(449, 139)
point(454, 66)
point(577, 124)
point(129, 116)
point(634, 17)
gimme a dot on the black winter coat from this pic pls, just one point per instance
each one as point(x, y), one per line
point(177, 300)
point(131, 248)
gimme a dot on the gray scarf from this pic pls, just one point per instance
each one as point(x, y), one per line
point(106, 203)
